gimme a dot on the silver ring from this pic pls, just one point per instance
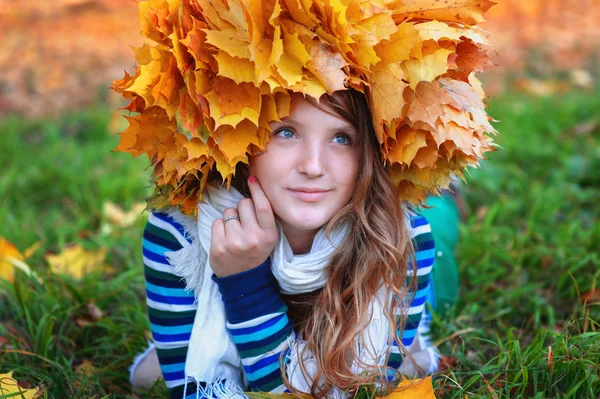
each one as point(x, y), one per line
point(228, 218)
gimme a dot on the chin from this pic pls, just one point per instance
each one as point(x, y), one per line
point(303, 222)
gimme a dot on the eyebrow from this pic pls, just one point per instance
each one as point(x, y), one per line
point(346, 126)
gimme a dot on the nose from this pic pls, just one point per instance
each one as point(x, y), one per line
point(311, 160)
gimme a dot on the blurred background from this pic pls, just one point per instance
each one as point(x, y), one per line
point(72, 304)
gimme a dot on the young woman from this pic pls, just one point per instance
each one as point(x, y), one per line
point(303, 312)
point(303, 271)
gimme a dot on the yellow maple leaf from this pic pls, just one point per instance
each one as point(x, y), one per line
point(9, 388)
point(425, 103)
point(8, 252)
point(327, 67)
point(76, 261)
point(413, 389)
point(118, 216)
point(461, 11)
point(400, 44)
point(387, 94)
point(408, 143)
point(11, 258)
point(428, 68)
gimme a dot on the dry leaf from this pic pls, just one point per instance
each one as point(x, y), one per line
point(413, 389)
point(8, 253)
point(86, 368)
point(114, 215)
point(11, 258)
point(76, 261)
point(9, 388)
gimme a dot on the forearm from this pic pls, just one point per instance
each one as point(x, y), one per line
point(259, 325)
point(171, 308)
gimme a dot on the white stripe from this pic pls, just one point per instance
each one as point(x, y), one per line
point(175, 383)
point(170, 307)
point(426, 228)
point(253, 322)
point(280, 348)
point(417, 309)
point(279, 390)
point(168, 227)
point(158, 266)
point(420, 272)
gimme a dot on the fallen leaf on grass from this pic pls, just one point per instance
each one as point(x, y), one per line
point(9, 388)
point(11, 258)
point(447, 363)
point(76, 261)
point(117, 216)
point(86, 368)
point(592, 296)
point(413, 389)
point(93, 314)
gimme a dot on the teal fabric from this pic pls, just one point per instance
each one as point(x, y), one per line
point(444, 218)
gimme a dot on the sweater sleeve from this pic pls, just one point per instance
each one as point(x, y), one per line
point(171, 308)
point(424, 245)
point(259, 325)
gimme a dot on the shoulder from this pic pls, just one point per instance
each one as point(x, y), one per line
point(169, 228)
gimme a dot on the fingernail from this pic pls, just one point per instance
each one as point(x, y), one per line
point(252, 179)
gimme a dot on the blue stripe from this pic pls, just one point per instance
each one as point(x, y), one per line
point(173, 300)
point(171, 337)
point(418, 301)
point(278, 336)
point(250, 330)
point(183, 329)
point(427, 253)
point(424, 263)
point(262, 372)
point(260, 335)
point(274, 358)
point(409, 334)
point(150, 246)
point(166, 291)
point(176, 375)
point(418, 221)
point(172, 245)
point(155, 257)
point(173, 368)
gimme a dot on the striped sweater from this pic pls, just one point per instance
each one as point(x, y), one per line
point(257, 315)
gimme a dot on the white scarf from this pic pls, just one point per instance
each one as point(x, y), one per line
point(212, 355)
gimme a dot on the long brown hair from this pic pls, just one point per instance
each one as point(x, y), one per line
point(376, 249)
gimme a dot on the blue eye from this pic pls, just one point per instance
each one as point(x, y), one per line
point(284, 129)
point(346, 137)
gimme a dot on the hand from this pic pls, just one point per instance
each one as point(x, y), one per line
point(240, 245)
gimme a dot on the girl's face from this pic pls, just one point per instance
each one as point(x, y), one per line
point(310, 150)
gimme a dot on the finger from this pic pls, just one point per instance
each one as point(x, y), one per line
point(247, 214)
point(217, 232)
point(232, 225)
point(262, 206)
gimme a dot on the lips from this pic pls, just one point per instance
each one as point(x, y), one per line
point(307, 196)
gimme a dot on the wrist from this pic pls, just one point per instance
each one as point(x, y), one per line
point(249, 294)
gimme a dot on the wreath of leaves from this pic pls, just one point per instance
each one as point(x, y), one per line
point(213, 74)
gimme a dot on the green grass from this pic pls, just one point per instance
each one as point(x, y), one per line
point(529, 251)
